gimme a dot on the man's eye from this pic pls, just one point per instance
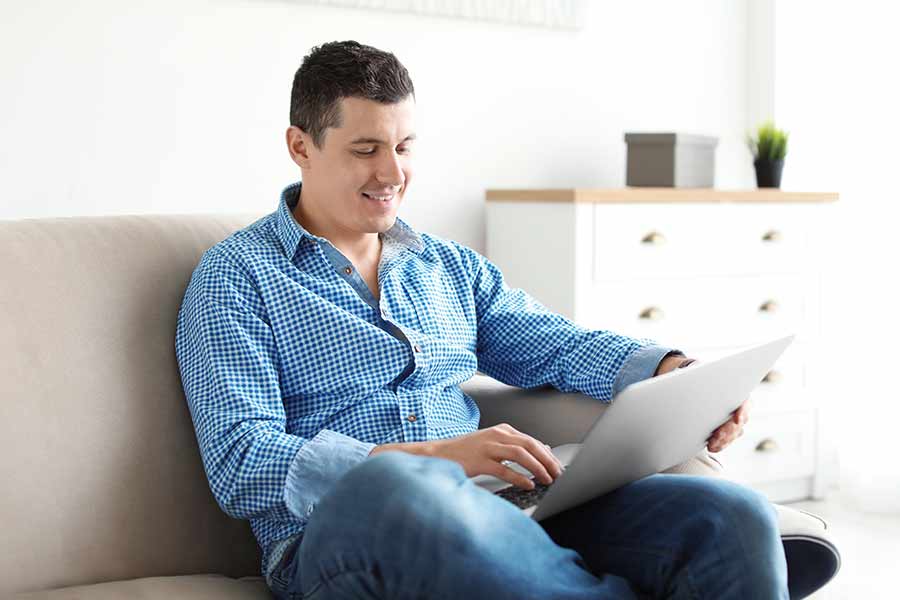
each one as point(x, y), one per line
point(402, 150)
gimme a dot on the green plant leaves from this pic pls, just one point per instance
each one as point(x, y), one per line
point(770, 143)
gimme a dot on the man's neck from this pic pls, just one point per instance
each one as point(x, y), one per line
point(361, 249)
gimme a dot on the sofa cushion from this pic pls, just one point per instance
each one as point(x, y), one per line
point(102, 477)
point(185, 587)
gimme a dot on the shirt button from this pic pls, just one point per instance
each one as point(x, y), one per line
point(411, 418)
point(348, 270)
point(416, 348)
point(309, 509)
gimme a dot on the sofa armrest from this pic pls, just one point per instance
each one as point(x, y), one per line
point(546, 414)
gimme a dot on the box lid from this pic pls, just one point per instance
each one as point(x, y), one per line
point(670, 139)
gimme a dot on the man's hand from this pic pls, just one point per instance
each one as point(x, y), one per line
point(483, 453)
point(670, 363)
point(726, 433)
point(731, 430)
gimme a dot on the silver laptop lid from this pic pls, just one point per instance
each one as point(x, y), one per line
point(658, 423)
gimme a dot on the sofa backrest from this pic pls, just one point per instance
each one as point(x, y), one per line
point(101, 474)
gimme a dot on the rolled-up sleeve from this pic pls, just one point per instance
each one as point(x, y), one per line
point(229, 370)
point(320, 462)
point(641, 365)
point(522, 343)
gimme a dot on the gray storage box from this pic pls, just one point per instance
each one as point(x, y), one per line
point(670, 160)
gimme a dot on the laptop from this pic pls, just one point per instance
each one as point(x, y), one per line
point(649, 426)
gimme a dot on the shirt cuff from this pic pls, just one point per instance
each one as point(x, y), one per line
point(641, 365)
point(317, 466)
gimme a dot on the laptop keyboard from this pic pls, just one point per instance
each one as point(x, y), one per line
point(524, 498)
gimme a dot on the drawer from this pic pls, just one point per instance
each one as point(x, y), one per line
point(657, 240)
point(769, 239)
point(675, 241)
point(773, 447)
point(705, 312)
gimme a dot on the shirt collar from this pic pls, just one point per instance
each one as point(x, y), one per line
point(291, 233)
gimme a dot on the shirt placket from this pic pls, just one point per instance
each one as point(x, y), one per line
point(409, 399)
point(406, 390)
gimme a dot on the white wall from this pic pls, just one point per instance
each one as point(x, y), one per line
point(838, 94)
point(112, 107)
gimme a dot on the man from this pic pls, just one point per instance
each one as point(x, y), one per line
point(321, 350)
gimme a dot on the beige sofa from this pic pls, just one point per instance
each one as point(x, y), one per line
point(104, 494)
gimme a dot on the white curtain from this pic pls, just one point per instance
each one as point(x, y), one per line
point(837, 92)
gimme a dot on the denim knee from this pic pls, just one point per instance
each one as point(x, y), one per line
point(744, 508)
point(396, 503)
point(739, 518)
point(394, 470)
point(405, 526)
point(397, 485)
point(399, 463)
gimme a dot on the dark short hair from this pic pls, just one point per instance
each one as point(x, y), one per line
point(343, 70)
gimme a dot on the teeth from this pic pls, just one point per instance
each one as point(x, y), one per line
point(377, 197)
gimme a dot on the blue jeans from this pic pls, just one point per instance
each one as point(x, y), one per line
point(404, 526)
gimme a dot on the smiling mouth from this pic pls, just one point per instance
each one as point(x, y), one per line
point(379, 198)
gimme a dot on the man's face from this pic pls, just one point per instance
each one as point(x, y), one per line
point(358, 178)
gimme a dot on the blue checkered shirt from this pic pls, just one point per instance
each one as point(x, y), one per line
point(293, 371)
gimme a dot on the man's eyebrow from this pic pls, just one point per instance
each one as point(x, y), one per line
point(369, 140)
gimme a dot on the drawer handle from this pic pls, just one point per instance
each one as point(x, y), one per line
point(769, 306)
point(652, 314)
point(773, 377)
point(767, 445)
point(654, 238)
point(773, 235)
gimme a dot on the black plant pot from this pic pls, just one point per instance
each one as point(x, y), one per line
point(768, 172)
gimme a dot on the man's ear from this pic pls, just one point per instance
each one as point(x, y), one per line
point(298, 143)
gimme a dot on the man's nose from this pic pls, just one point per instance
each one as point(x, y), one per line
point(390, 170)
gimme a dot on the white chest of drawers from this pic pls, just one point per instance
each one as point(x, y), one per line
point(705, 271)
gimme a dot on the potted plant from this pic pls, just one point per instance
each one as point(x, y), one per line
point(769, 148)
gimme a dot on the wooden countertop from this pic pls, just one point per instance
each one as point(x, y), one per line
point(649, 194)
